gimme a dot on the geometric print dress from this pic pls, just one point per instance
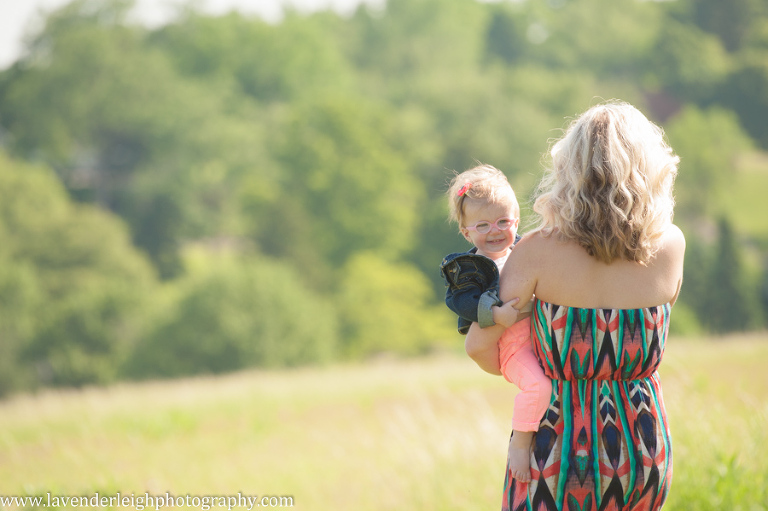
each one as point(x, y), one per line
point(604, 442)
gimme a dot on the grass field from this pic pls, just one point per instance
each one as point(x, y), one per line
point(424, 434)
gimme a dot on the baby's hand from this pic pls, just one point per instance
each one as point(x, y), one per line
point(506, 314)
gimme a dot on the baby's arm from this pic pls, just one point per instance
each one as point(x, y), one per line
point(471, 288)
point(510, 313)
point(517, 281)
point(463, 301)
point(506, 314)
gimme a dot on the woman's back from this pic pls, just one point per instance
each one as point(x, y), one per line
point(562, 272)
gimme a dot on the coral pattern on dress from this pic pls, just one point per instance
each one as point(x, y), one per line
point(604, 442)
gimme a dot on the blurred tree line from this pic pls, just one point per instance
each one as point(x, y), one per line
point(222, 192)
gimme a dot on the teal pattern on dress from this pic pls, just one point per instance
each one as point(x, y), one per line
point(604, 442)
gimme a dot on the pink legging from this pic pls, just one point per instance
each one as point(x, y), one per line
point(520, 366)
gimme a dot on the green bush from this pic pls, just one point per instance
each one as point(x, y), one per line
point(388, 307)
point(72, 287)
point(234, 312)
point(684, 322)
point(20, 297)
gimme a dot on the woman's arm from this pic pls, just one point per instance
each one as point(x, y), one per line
point(517, 281)
point(674, 245)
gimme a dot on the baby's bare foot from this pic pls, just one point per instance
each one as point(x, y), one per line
point(520, 463)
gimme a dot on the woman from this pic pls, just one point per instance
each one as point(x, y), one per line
point(604, 268)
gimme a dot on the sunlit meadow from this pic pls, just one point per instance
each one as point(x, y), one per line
point(427, 434)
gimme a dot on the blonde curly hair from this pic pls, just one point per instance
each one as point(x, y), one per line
point(481, 183)
point(609, 187)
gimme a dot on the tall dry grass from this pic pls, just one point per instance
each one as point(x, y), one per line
point(425, 434)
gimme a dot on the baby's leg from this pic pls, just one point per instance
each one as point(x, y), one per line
point(519, 455)
point(532, 401)
point(520, 366)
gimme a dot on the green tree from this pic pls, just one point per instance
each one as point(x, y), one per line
point(422, 40)
point(272, 63)
point(687, 62)
point(696, 292)
point(731, 21)
point(123, 129)
point(387, 307)
point(763, 288)
point(74, 288)
point(506, 34)
point(20, 301)
point(342, 186)
point(708, 143)
point(235, 312)
point(744, 93)
point(737, 304)
point(608, 38)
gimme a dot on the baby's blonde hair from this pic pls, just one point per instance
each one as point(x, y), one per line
point(481, 183)
point(609, 187)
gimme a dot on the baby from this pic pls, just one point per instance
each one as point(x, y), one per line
point(484, 205)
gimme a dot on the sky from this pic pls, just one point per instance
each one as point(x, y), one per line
point(21, 17)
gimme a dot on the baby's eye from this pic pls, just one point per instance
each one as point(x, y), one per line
point(483, 227)
point(504, 224)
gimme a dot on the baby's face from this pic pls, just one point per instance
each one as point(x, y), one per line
point(496, 242)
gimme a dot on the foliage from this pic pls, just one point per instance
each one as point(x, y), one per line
point(123, 130)
point(583, 35)
point(20, 298)
point(686, 322)
point(345, 186)
point(320, 147)
point(687, 61)
point(732, 22)
point(234, 313)
point(746, 187)
point(720, 290)
point(71, 287)
point(267, 62)
point(385, 306)
point(743, 92)
point(708, 143)
point(738, 310)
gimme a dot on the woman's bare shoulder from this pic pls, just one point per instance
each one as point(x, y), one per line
point(518, 278)
point(541, 247)
point(531, 253)
point(535, 242)
point(674, 235)
point(673, 242)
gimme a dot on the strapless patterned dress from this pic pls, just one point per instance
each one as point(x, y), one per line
point(604, 442)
